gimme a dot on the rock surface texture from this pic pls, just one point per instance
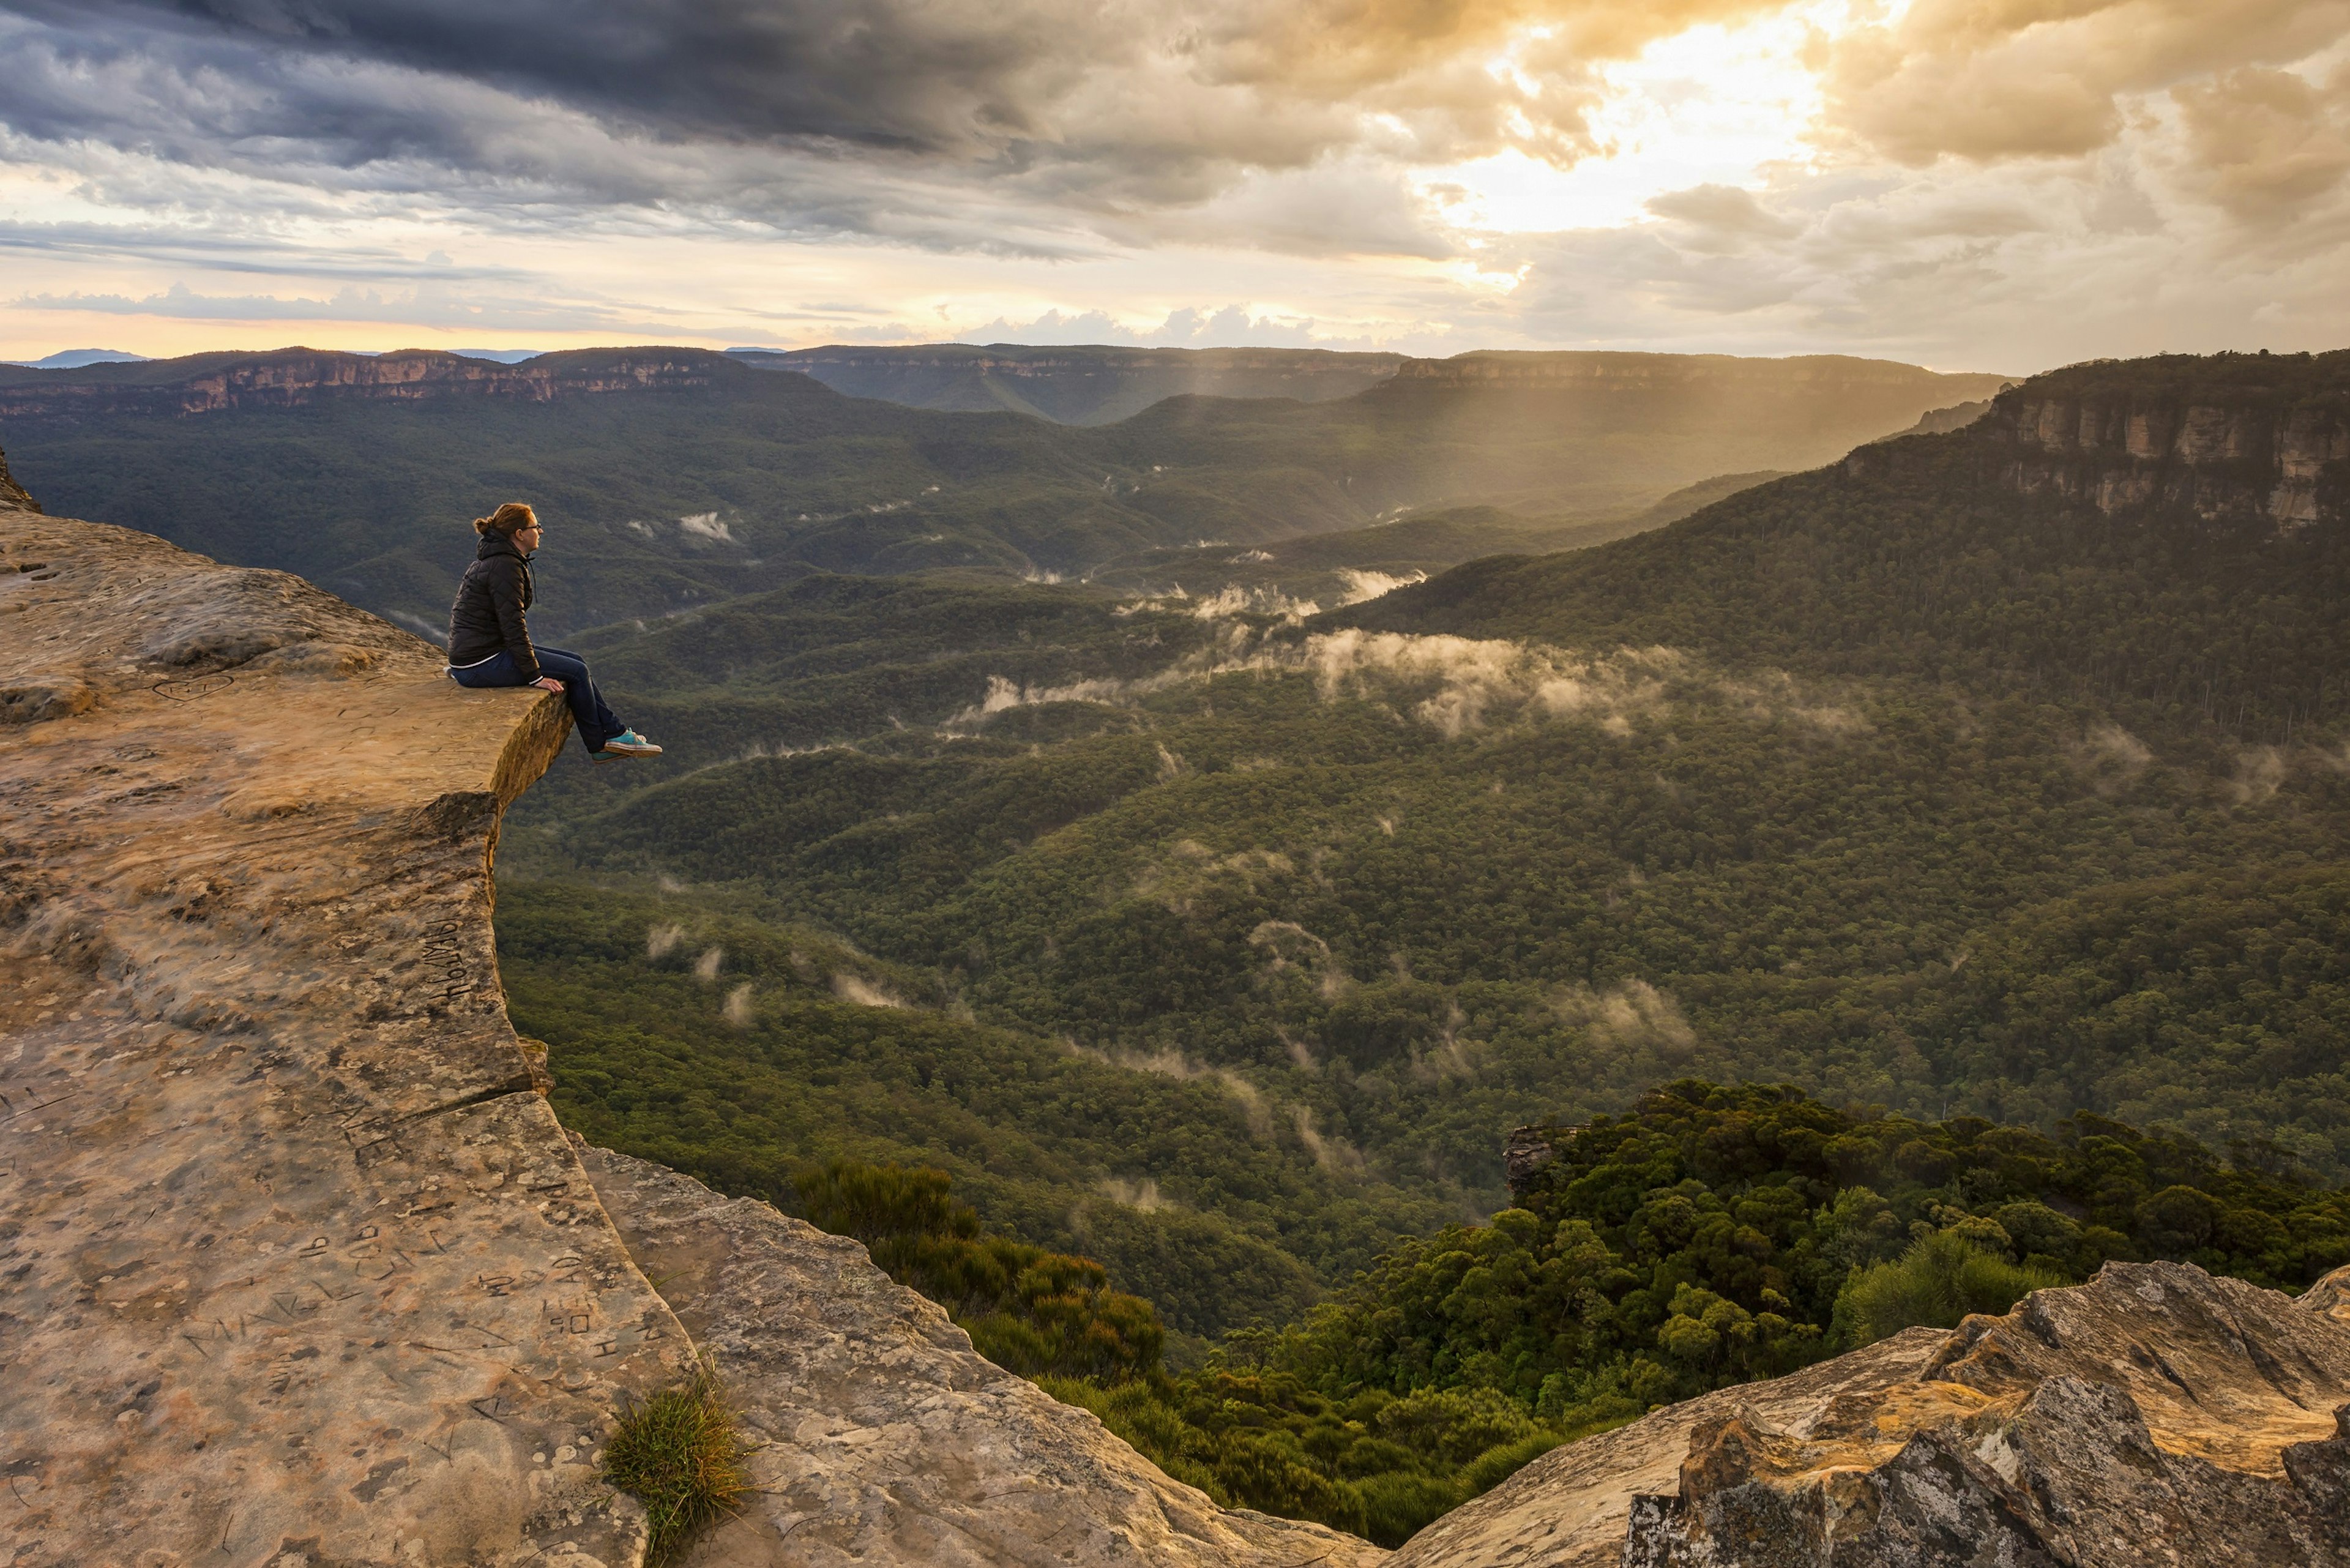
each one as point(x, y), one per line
point(300, 1269)
point(2154, 1416)
point(884, 1437)
point(2211, 458)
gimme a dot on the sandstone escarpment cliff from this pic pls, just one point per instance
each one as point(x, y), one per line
point(2242, 436)
point(1606, 370)
point(296, 378)
point(300, 1268)
point(11, 494)
point(2154, 1416)
point(298, 1261)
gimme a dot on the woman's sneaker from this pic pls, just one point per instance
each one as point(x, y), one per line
point(628, 744)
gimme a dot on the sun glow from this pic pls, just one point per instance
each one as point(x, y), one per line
point(1712, 104)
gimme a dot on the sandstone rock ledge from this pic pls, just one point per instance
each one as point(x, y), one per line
point(2154, 1416)
point(299, 1269)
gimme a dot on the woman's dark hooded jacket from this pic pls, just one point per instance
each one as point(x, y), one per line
point(493, 608)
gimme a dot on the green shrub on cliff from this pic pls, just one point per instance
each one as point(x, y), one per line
point(1939, 1281)
point(678, 1452)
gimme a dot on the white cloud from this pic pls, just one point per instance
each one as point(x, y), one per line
point(863, 992)
point(706, 526)
point(1455, 685)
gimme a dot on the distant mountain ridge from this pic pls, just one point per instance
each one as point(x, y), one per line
point(1080, 386)
point(1096, 384)
point(294, 377)
point(1943, 421)
point(74, 358)
point(1627, 369)
point(1086, 385)
point(1551, 432)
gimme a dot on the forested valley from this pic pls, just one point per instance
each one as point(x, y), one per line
point(1916, 892)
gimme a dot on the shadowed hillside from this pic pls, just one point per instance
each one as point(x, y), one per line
point(1090, 385)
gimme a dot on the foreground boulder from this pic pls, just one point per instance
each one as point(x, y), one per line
point(300, 1269)
point(2154, 1416)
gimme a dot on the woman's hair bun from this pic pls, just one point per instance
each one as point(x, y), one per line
point(506, 519)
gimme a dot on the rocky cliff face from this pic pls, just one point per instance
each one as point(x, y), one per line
point(300, 1269)
point(2155, 1415)
point(10, 494)
point(2216, 451)
point(2250, 437)
point(294, 377)
point(1662, 371)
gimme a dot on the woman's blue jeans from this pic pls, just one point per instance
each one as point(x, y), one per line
point(594, 720)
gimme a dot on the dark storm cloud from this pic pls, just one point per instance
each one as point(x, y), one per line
point(142, 104)
point(877, 73)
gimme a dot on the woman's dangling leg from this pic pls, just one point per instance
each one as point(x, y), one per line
point(589, 715)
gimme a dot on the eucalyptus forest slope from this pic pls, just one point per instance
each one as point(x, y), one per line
point(2164, 535)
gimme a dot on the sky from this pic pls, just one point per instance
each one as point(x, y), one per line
point(2000, 185)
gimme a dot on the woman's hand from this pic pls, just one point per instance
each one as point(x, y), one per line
point(548, 683)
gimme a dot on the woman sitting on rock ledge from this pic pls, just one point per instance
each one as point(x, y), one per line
point(489, 635)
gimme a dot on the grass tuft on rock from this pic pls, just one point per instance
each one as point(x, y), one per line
point(677, 1452)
